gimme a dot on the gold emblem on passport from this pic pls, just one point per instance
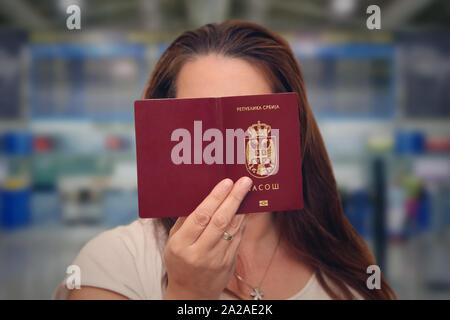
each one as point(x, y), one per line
point(261, 151)
point(263, 203)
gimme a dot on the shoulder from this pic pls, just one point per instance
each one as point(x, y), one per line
point(313, 290)
point(126, 260)
point(336, 288)
point(133, 240)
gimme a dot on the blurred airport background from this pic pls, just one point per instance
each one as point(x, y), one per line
point(67, 153)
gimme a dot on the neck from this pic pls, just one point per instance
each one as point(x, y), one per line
point(257, 248)
point(260, 231)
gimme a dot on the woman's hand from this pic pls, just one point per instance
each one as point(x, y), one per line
point(199, 261)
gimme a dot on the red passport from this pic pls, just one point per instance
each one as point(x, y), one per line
point(186, 146)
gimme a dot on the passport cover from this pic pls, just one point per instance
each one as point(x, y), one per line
point(184, 147)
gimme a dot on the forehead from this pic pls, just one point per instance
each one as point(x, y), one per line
point(218, 76)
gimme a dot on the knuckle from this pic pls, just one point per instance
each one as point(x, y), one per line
point(201, 217)
point(235, 196)
point(174, 249)
point(220, 222)
point(194, 260)
point(216, 196)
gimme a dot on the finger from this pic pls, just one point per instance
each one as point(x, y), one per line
point(177, 225)
point(197, 221)
point(233, 229)
point(224, 214)
point(233, 248)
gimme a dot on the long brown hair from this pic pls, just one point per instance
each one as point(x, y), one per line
point(320, 235)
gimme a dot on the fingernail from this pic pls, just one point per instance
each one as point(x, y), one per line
point(226, 183)
point(235, 221)
point(246, 182)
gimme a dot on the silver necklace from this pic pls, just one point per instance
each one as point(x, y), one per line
point(256, 292)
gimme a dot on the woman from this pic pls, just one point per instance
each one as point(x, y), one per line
point(313, 253)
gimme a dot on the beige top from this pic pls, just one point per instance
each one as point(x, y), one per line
point(128, 260)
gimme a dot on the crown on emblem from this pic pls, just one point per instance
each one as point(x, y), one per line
point(259, 130)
